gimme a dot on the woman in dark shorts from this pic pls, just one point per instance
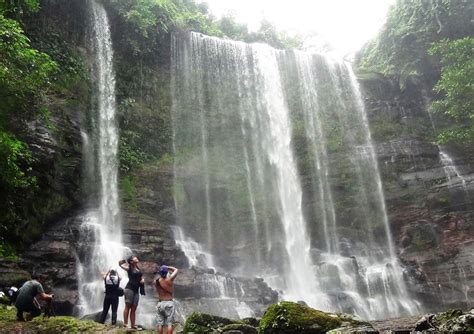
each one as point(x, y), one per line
point(131, 291)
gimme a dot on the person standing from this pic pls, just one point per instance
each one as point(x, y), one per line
point(28, 294)
point(112, 284)
point(131, 292)
point(165, 307)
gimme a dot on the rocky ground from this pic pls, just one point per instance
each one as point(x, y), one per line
point(282, 317)
point(405, 324)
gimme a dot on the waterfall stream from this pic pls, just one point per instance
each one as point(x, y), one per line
point(102, 226)
point(276, 175)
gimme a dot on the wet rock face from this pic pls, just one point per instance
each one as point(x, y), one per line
point(11, 274)
point(54, 256)
point(450, 321)
point(431, 216)
point(196, 286)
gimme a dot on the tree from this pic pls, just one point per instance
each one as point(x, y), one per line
point(24, 76)
point(401, 48)
point(456, 88)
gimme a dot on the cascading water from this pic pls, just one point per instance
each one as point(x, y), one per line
point(454, 176)
point(273, 152)
point(192, 250)
point(101, 227)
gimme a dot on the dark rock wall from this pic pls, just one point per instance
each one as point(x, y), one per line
point(432, 221)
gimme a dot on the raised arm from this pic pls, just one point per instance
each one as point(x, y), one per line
point(104, 275)
point(123, 264)
point(174, 272)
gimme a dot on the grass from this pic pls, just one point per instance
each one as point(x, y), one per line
point(54, 325)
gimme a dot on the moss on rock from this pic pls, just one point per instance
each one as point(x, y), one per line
point(205, 323)
point(289, 317)
point(8, 324)
point(239, 328)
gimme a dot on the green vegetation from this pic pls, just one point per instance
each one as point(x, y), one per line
point(38, 72)
point(401, 48)
point(456, 87)
point(289, 317)
point(129, 192)
point(151, 18)
point(8, 324)
point(204, 323)
point(24, 77)
point(430, 41)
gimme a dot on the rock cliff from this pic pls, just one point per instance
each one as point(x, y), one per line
point(429, 206)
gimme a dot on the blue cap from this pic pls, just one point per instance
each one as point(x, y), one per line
point(163, 271)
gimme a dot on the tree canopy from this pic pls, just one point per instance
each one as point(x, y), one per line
point(401, 48)
point(456, 89)
point(24, 75)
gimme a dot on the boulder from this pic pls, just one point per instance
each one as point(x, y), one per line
point(289, 317)
point(451, 321)
point(205, 323)
point(239, 329)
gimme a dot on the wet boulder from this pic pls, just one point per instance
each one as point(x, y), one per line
point(451, 321)
point(289, 318)
point(239, 329)
point(205, 323)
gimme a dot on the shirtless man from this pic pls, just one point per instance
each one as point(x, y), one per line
point(165, 306)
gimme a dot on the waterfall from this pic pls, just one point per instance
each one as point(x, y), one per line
point(453, 174)
point(276, 175)
point(101, 226)
point(192, 250)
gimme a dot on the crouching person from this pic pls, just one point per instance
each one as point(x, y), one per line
point(165, 307)
point(28, 295)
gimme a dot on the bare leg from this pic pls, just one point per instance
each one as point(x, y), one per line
point(125, 314)
point(170, 329)
point(132, 315)
point(159, 329)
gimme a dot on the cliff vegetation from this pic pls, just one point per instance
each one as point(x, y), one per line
point(430, 42)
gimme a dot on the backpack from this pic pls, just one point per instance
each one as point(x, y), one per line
point(13, 294)
point(120, 291)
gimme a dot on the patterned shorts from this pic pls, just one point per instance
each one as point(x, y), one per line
point(165, 313)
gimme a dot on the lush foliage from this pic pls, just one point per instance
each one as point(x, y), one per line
point(18, 7)
point(149, 18)
point(24, 76)
point(430, 41)
point(14, 177)
point(36, 67)
point(24, 71)
point(401, 49)
point(456, 87)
